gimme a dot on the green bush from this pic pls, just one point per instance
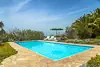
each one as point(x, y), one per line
point(70, 41)
point(94, 62)
point(84, 41)
point(94, 41)
point(3, 38)
point(97, 37)
point(21, 35)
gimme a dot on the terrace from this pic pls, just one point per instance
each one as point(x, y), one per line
point(28, 58)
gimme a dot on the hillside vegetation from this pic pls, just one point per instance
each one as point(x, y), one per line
point(87, 26)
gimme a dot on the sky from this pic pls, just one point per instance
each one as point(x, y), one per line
point(42, 15)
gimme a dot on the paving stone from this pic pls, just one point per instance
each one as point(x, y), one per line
point(28, 58)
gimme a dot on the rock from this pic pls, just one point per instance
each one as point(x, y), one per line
point(98, 43)
point(84, 65)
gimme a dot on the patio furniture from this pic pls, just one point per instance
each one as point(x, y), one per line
point(52, 38)
point(47, 38)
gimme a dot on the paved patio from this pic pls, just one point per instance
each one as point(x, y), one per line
point(28, 58)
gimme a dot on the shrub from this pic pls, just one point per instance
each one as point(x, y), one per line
point(94, 41)
point(21, 35)
point(97, 37)
point(94, 62)
point(70, 41)
point(3, 38)
point(63, 37)
point(84, 41)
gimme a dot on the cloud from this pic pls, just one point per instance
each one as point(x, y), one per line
point(33, 17)
point(17, 6)
point(77, 11)
point(20, 5)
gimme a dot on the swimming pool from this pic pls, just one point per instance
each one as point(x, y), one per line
point(52, 50)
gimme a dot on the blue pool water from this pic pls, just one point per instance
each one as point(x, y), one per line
point(54, 51)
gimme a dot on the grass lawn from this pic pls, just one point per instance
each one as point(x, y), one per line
point(5, 51)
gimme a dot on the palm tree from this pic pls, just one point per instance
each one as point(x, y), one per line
point(81, 26)
point(88, 24)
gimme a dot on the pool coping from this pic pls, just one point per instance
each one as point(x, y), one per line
point(56, 44)
point(71, 43)
point(72, 61)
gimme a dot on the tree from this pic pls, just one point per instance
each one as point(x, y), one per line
point(56, 29)
point(2, 31)
point(88, 25)
point(71, 32)
point(1, 24)
point(21, 35)
point(67, 29)
point(81, 26)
